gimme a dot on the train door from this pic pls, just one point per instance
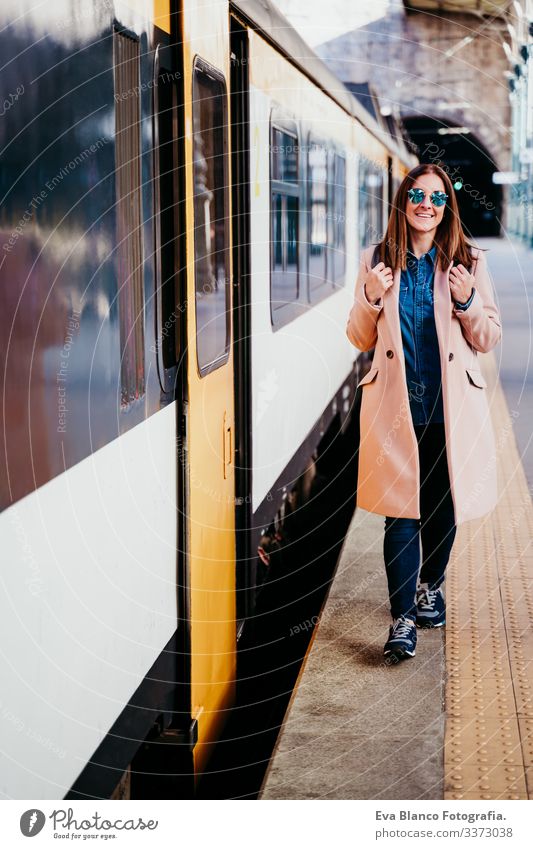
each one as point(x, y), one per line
point(240, 201)
point(210, 414)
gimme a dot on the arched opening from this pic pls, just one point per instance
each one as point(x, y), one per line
point(464, 157)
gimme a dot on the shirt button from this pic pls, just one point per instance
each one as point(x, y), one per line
point(450, 357)
point(390, 354)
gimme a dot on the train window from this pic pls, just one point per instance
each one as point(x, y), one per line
point(284, 156)
point(212, 284)
point(365, 232)
point(337, 221)
point(370, 202)
point(317, 174)
point(285, 208)
point(128, 187)
point(377, 187)
point(167, 211)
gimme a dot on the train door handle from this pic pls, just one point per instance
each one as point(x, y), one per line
point(227, 441)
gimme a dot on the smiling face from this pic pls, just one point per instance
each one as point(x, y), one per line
point(423, 216)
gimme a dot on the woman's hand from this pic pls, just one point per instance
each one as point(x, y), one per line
point(378, 280)
point(461, 283)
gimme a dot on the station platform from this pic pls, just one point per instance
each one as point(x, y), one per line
point(456, 721)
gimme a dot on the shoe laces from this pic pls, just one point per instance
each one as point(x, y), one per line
point(402, 627)
point(427, 598)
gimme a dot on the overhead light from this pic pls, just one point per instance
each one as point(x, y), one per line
point(449, 131)
point(508, 52)
point(458, 46)
point(505, 178)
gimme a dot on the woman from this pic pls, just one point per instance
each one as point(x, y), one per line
point(427, 458)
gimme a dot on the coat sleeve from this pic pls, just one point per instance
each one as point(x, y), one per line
point(361, 327)
point(481, 323)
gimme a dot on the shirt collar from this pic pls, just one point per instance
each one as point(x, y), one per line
point(431, 253)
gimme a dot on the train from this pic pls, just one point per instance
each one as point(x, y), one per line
point(186, 189)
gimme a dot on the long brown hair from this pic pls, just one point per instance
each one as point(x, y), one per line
point(450, 238)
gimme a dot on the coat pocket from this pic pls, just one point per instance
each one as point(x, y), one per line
point(476, 378)
point(369, 377)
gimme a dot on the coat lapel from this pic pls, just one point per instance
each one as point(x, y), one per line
point(443, 309)
point(391, 309)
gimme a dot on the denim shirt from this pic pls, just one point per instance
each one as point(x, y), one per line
point(419, 337)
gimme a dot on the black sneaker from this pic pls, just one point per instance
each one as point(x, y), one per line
point(430, 607)
point(402, 639)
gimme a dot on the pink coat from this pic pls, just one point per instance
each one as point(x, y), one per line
point(389, 473)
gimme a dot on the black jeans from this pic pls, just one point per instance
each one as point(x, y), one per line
point(435, 529)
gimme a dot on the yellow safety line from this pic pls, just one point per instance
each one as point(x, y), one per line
point(488, 748)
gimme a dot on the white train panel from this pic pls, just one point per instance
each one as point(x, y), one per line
point(297, 369)
point(90, 606)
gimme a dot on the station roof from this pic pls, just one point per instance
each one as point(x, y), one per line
point(264, 16)
point(493, 8)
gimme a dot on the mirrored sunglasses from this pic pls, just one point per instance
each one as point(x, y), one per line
point(418, 195)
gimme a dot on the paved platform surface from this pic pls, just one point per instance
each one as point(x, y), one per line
point(511, 267)
point(457, 720)
point(488, 749)
point(357, 728)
